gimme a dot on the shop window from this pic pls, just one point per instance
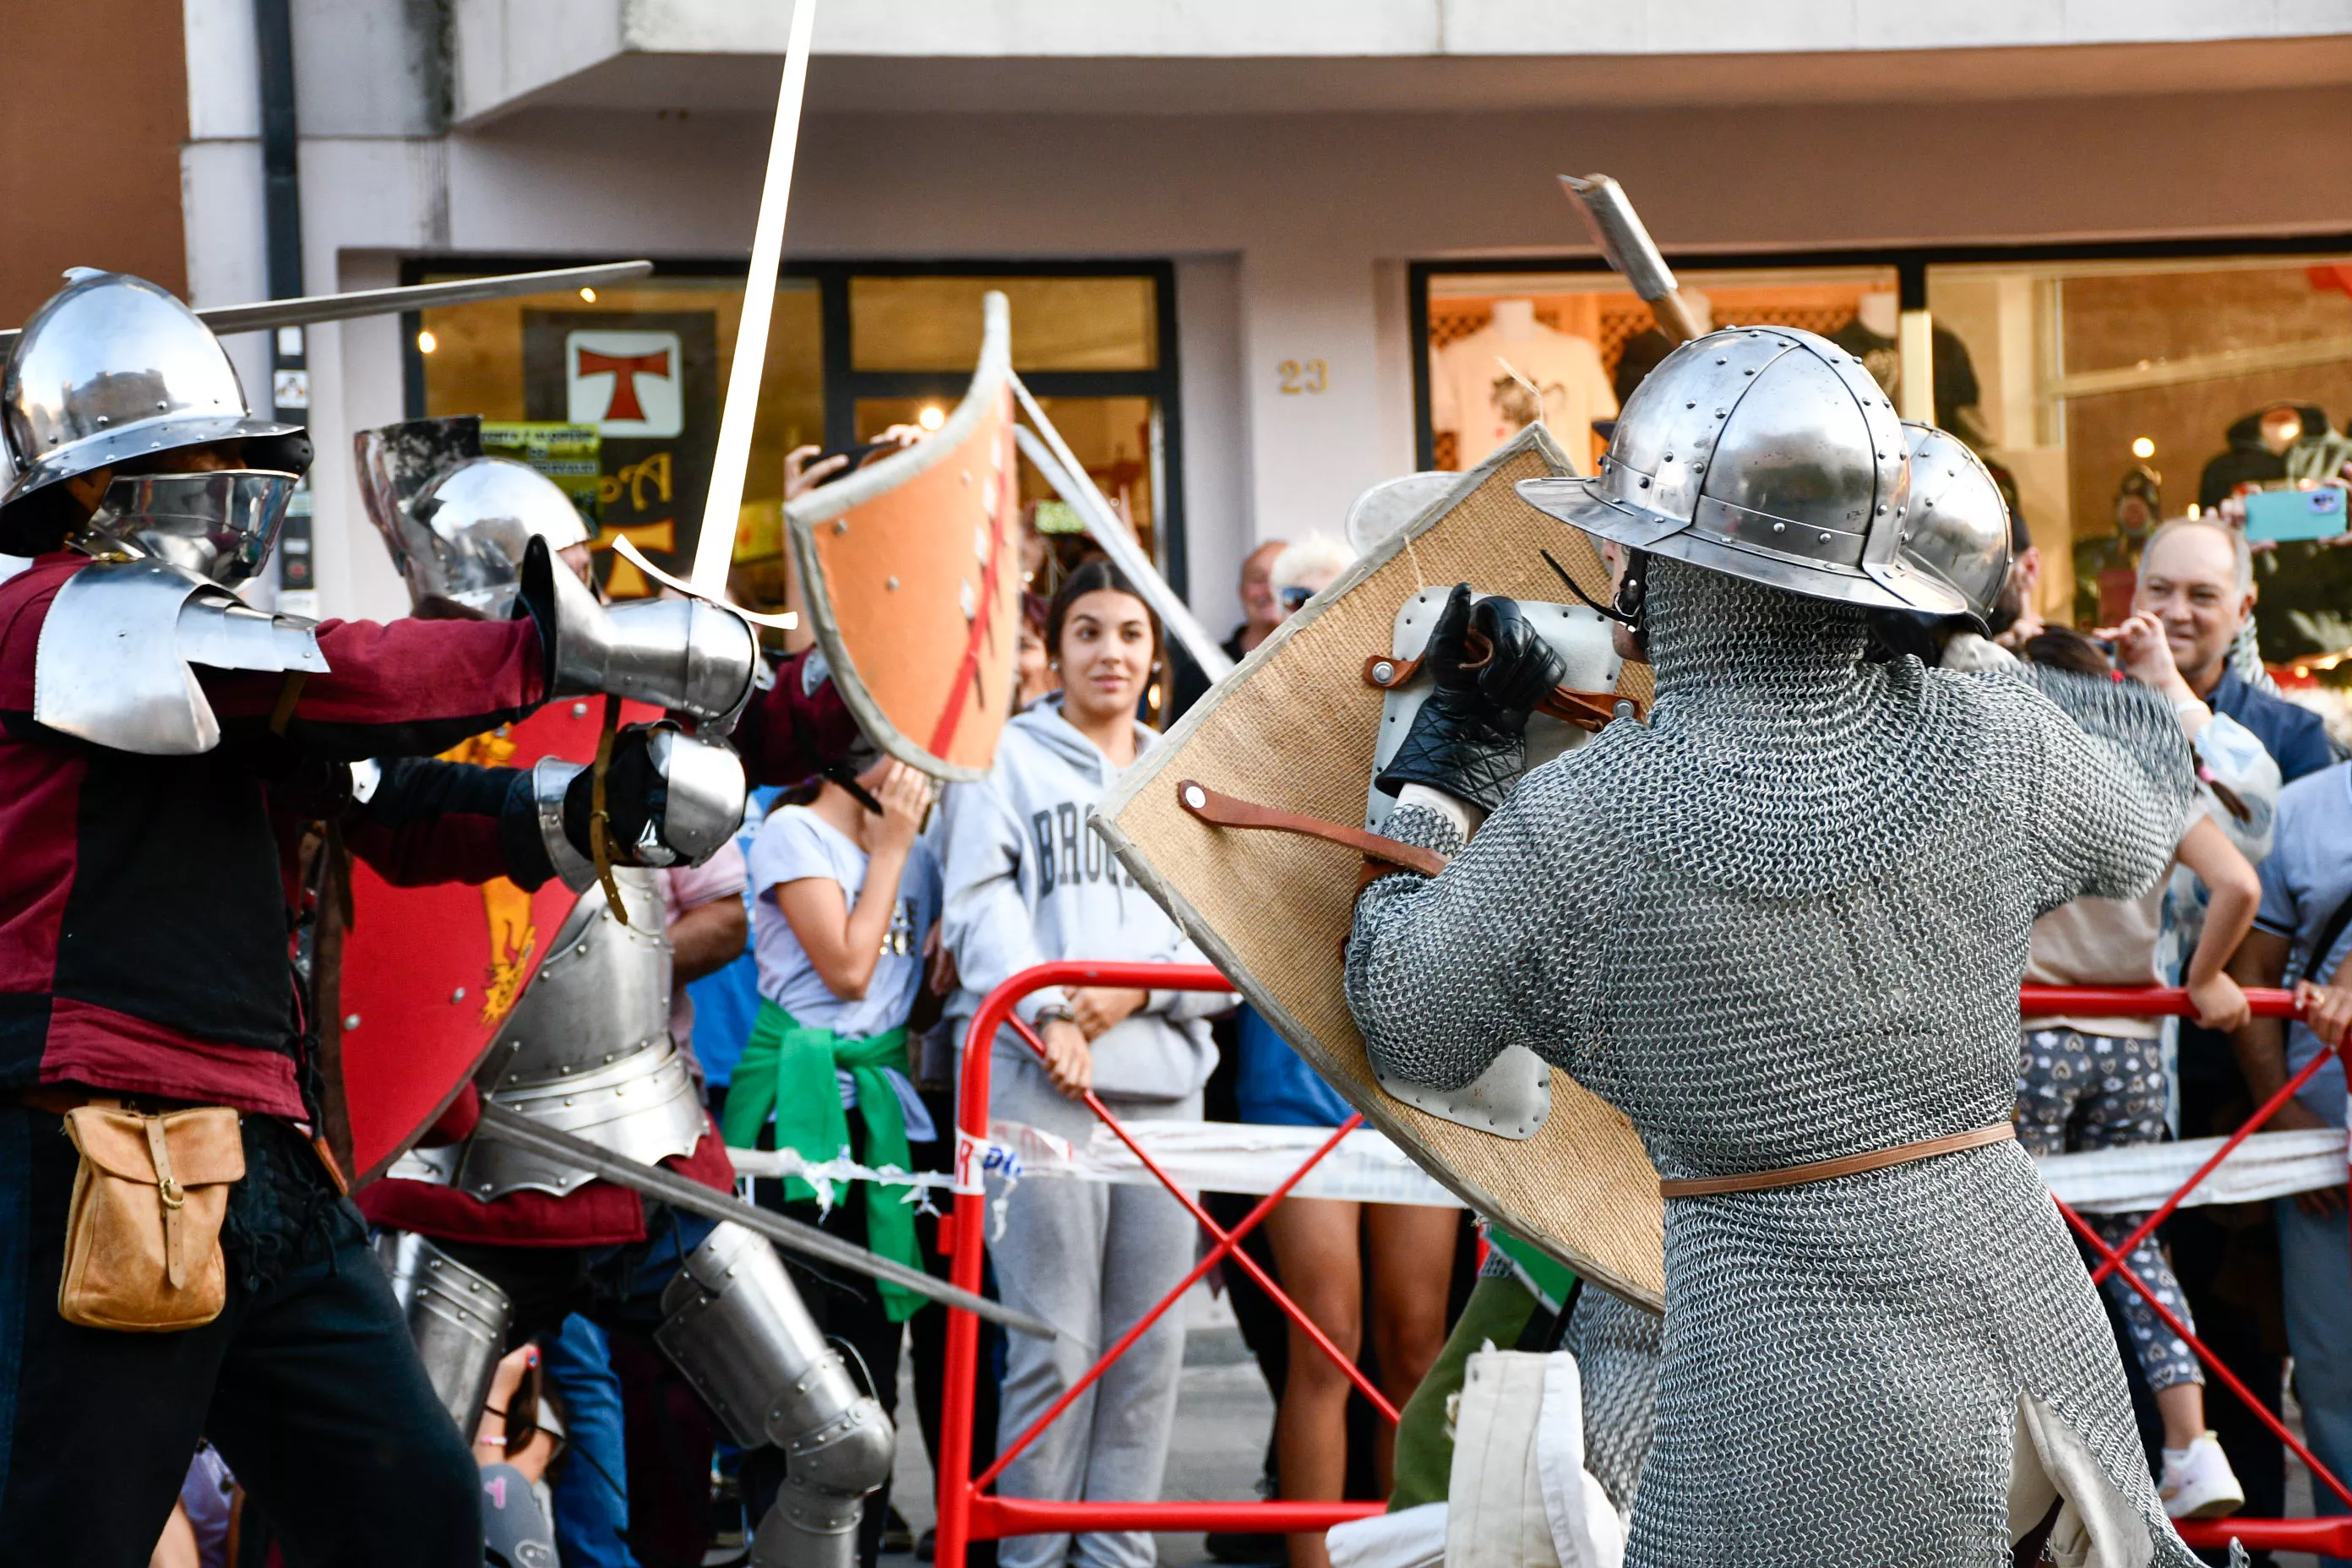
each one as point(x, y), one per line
point(931, 322)
point(1503, 345)
point(615, 391)
point(2120, 393)
point(2108, 390)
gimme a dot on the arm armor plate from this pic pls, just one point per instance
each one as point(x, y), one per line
point(114, 662)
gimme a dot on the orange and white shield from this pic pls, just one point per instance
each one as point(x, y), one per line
point(910, 571)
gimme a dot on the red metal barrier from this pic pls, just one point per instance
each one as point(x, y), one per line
point(2328, 1536)
point(966, 1513)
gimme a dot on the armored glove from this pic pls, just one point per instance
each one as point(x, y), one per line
point(688, 655)
point(669, 800)
point(1491, 668)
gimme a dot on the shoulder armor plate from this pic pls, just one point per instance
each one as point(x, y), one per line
point(114, 666)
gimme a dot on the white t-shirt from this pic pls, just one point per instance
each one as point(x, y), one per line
point(795, 843)
point(1474, 398)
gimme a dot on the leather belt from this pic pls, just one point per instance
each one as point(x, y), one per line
point(1227, 811)
point(1849, 1165)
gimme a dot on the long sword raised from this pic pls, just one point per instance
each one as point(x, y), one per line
point(715, 549)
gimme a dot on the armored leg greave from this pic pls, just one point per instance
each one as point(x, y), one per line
point(736, 1328)
point(457, 1318)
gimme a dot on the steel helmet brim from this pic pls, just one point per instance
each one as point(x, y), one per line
point(1890, 585)
point(289, 452)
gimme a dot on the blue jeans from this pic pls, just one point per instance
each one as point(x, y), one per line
point(2315, 1267)
point(592, 1498)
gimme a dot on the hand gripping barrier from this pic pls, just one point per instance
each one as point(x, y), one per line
point(968, 1513)
point(2328, 1536)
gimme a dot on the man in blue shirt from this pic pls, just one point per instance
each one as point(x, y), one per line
point(2306, 879)
point(2196, 578)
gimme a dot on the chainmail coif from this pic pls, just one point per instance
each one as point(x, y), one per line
point(1786, 922)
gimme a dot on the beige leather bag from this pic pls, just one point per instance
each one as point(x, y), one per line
point(142, 1234)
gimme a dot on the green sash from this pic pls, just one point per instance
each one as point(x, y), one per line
point(788, 1068)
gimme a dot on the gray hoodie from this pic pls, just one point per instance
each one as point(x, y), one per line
point(1027, 880)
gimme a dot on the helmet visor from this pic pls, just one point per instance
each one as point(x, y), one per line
point(221, 525)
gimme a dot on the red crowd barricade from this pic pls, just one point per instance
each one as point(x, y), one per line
point(2328, 1536)
point(966, 1512)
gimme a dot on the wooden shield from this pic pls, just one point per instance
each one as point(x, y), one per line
point(1293, 728)
point(415, 988)
point(910, 571)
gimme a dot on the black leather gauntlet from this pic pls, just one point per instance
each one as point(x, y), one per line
point(1470, 737)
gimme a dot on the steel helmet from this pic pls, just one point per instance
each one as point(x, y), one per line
point(457, 521)
point(1955, 529)
point(1767, 453)
point(113, 368)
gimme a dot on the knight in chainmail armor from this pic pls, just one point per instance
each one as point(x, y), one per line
point(1784, 924)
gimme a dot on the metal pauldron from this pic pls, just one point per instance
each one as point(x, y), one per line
point(458, 1320)
point(113, 663)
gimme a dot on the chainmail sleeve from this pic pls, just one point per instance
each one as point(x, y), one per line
point(2117, 786)
point(1445, 974)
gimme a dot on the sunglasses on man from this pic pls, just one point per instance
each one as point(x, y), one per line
point(1295, 598)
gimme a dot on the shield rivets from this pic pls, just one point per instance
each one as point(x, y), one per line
point(458, 995)
point(1198, 798)
point(891, 583)
point(1383, 672)
point(351, 1020)
point(579, 710)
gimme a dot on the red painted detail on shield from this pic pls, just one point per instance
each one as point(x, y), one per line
point(625, 369)
point(430, 974)
point(943, 733)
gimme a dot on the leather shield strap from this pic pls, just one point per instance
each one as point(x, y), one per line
point(1851, 1164)
point(1225, 811)
point(1588, 710)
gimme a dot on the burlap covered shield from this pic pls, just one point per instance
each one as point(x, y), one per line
point(910, 569)
point(414, 983)
point(1293, 728)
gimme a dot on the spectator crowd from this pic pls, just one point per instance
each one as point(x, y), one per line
point(881, 909)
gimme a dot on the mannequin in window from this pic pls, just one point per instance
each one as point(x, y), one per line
point(1872, 333)
point(1474, 395)
point(1645, 347)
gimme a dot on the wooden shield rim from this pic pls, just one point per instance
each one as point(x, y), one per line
point(1150, 770)
point(827, 502)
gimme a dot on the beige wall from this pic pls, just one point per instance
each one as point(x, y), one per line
point(93, 108)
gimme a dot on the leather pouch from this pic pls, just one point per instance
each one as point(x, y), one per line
point(142, 1232)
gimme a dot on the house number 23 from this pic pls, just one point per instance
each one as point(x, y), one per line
point(1303, 375)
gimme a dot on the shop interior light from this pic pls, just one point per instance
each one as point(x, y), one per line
point(589, 295)
point(425, 342)
point(932, 417)
point(2143, 447)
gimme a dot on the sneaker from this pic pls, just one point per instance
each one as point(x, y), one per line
point(2198, 1483)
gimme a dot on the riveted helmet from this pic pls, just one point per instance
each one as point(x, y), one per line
point(113, 369)
point(1955, 528)
point(457, 521)
point(1767, 453)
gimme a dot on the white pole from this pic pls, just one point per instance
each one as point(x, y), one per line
point(715, 549)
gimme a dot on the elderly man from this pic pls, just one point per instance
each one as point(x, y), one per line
point(1261, 613)
point(2196, 578)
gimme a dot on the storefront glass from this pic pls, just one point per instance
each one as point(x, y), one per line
point(615, 391)
point(2108, 394)
point(2121, 392)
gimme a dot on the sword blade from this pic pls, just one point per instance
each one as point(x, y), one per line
point(262, 315)
point(714, 550)
point(511, 1127)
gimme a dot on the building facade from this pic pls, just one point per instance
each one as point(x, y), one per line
point(1262, 255)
